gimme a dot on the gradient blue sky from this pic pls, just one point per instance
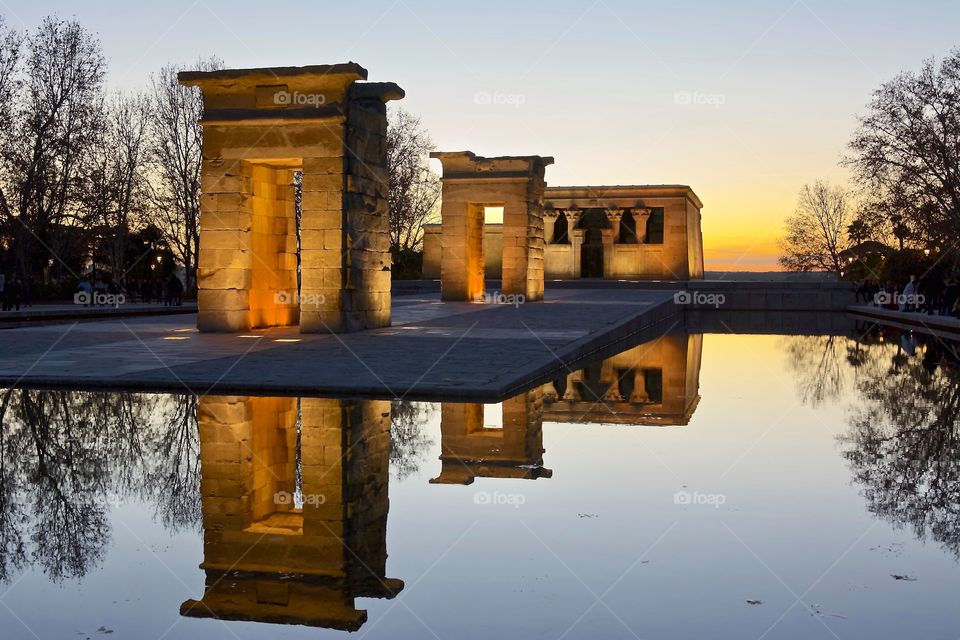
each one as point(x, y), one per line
point(774, 86)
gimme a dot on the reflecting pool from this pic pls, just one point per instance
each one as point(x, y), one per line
point(718, 485)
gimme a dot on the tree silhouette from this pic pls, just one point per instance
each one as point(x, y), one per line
point(67, 457)
point(408, 443)
point(903, 445)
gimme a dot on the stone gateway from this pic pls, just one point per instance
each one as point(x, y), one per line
point(471, 184)
point(266, 132)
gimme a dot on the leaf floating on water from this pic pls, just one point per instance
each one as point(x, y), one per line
point(905, 578)
point(103, 629)
point(754, 602)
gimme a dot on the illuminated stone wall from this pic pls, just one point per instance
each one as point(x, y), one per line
point(472, 183)
point(288, 548)
point(259, 127)
point(471, 449)
point(655, 383)
point(678, 257)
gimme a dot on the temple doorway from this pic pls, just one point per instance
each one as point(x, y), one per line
point(591, 253)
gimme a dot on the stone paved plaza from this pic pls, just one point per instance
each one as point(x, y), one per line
point(433, 349)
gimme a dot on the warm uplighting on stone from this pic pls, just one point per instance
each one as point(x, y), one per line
point(293, 533)
point(645, 232)
point(471, 184)
point(470, 449)
point(656, 383)
point(260, 127)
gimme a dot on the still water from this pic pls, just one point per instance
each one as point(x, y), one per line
point(701, 486)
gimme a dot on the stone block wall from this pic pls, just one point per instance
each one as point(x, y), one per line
point(366, 299)
point(462, 259)
point(470, 449)
point(253, 144)
point(472, 183)
point(616, 391)
point(345, 234)
point(272, 560)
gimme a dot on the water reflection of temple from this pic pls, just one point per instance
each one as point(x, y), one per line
point(470, 448)
point(656, 383)
point(294, 520)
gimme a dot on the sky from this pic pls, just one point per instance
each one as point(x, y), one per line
point(743, 100)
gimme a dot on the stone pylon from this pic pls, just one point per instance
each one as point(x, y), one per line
point(261, 127)
point(470, 184)
point(294, 514)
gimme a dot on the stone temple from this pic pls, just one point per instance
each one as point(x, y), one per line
point(294, 220)
point(645, 232)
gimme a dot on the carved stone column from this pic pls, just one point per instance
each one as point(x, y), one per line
point(608, 376)
point(576, 238)
point(640, 217)
point(572, 393)
point(614, 215)
point(610, 238)
point(613, 393)
point(639, 394)
point(550, 392)
point(549, 224)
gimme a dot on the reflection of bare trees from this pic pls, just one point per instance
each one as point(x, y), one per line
point(827, 366)
point(408, 443)
point(64, 463)
point(903, 441)
point(12, 516)
point(904, 445)
point(817, 362)
point(65, 457)
point(175, 479)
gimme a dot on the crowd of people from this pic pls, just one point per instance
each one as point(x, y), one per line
point(933, 295)
point(104, 291)
point(98, 290)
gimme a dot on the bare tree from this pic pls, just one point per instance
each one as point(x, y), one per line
point(177, 138)
point(414, 187)
point(906, 151)
point(10, 44)
point(115, 189)
point(10, 48)
point(408, 442)
point(816, 233)
point(54, 118)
